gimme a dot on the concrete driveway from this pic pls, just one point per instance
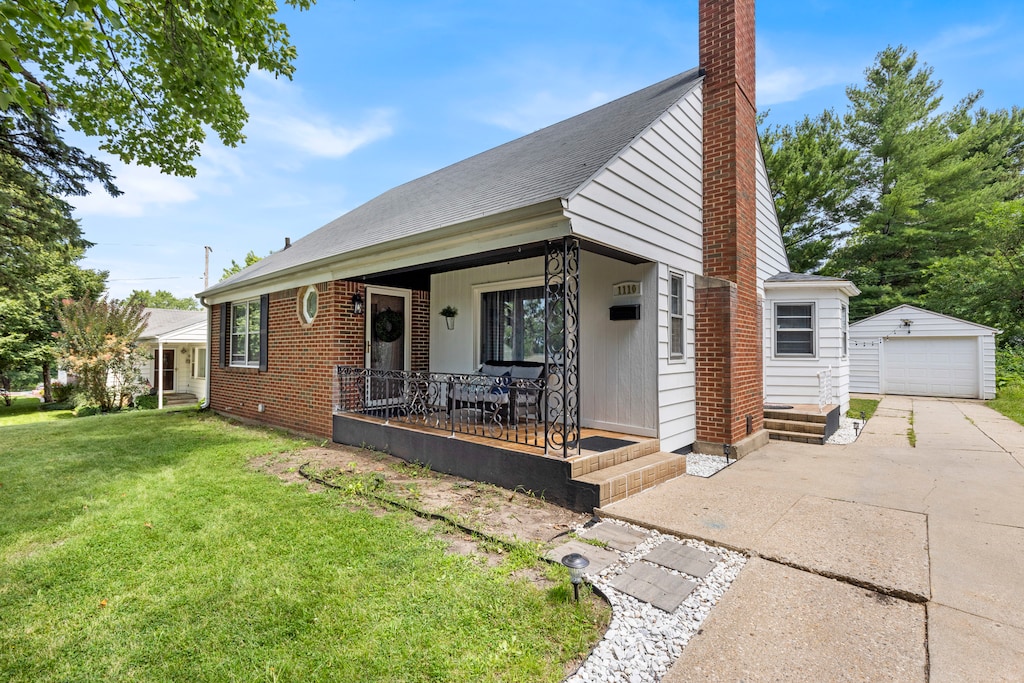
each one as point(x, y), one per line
point(872, 561)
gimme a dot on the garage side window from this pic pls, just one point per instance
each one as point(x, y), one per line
point(844, 324)
point(794, 329)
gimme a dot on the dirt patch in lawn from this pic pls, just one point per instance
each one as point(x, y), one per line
point(489, 509)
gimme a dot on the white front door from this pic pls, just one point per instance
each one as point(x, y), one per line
point(388, 342)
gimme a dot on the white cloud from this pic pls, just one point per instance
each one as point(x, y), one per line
point(957, 36)
point(786, 84)
point(317, 136)
point(144, 189)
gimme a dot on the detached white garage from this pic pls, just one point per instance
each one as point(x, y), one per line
point(910, 351)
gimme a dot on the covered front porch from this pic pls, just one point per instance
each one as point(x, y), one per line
point(502, 395)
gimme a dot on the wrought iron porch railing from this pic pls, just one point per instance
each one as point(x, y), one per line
point(500, 408)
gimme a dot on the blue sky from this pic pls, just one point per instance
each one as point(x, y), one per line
point(385, 92)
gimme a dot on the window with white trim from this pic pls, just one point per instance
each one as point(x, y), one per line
point(512, 325)
point(199, 362)
point(245, 333)
point(794, 329)
point(676, 319)
point(309, 304)
point(845, 327)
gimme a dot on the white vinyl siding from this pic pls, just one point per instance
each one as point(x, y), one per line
point(793, 379)
point(771, 252)
point(647, 201)
point(677, 380)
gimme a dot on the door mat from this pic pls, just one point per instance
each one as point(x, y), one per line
point(603, 443)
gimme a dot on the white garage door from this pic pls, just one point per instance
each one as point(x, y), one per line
point(937, 366)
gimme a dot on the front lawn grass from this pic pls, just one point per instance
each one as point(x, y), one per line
point(1009, 401)
point(139, 546)
point(859, 405)
point(27, 410)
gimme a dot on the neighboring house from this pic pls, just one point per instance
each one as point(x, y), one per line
point(911, 351)
point(175, 343)
point(609, 273)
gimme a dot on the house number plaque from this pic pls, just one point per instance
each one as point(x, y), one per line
point(626, 289)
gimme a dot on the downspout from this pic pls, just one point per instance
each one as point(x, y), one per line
point(209, 352)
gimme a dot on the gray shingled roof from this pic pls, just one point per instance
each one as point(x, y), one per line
point(164, 320)
point(548, 164)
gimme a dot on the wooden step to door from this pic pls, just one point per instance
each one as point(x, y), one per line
point(180, 399)
point(630, 477)
point(795, 426)
point(803, 424)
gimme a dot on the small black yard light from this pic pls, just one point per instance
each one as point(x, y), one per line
point(576, 564)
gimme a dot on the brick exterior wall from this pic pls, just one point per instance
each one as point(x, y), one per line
point(728, 335)
point(296, 390)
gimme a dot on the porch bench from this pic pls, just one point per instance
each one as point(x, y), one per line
point(500, 395)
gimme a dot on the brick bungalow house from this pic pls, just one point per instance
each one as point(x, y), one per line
point(614, 277)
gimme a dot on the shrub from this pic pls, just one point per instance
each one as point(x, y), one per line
point(146, 402)
point(62, 393)
point(87, 410)
point(1009, 366)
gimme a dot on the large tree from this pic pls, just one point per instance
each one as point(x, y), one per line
point(918, 177)
point(813, 181)
point(237, 267)
point(987, 284)
point(161, 298)
point(147, 78)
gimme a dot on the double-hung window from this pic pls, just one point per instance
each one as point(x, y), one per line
point(794, 329)
point(675, 317)
point(245, 333)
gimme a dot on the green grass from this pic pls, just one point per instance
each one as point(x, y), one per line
point(27, 411)
point(1009, 401)
point(139, 546)
point(865, 405)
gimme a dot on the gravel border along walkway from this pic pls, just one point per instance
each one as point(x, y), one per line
point(643, 641)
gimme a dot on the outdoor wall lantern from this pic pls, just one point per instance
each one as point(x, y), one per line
point(576, 564)
point(357, 304)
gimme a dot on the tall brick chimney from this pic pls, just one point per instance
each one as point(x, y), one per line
point(730, 391)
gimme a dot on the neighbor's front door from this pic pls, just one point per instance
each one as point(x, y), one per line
point(168, 369)
point(388, 344)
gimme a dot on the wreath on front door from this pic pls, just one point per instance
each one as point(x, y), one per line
point(388, 325)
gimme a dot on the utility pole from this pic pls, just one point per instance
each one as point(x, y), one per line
point(206, 271)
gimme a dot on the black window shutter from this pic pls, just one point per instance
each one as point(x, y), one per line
point(225, 332)
point(264, 313)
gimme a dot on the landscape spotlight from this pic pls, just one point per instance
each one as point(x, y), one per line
point(576, 564)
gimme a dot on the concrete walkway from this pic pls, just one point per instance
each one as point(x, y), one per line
point(876, 560)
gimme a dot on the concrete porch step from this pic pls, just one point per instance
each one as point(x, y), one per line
point(633, 476)
point(592, 462)
point(800, 426)
point(179, 399)
point(799, 437)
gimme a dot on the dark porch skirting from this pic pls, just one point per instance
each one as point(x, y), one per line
point(545, 477)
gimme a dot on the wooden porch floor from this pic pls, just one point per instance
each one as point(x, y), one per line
point(533, 446)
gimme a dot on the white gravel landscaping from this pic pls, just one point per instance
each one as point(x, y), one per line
point(701, 465)
point(643, 641)
point(847, 432)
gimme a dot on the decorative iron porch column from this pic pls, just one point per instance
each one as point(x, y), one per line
point(562, 345)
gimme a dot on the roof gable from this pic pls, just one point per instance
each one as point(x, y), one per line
point(548, 164)
point(901, 311)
